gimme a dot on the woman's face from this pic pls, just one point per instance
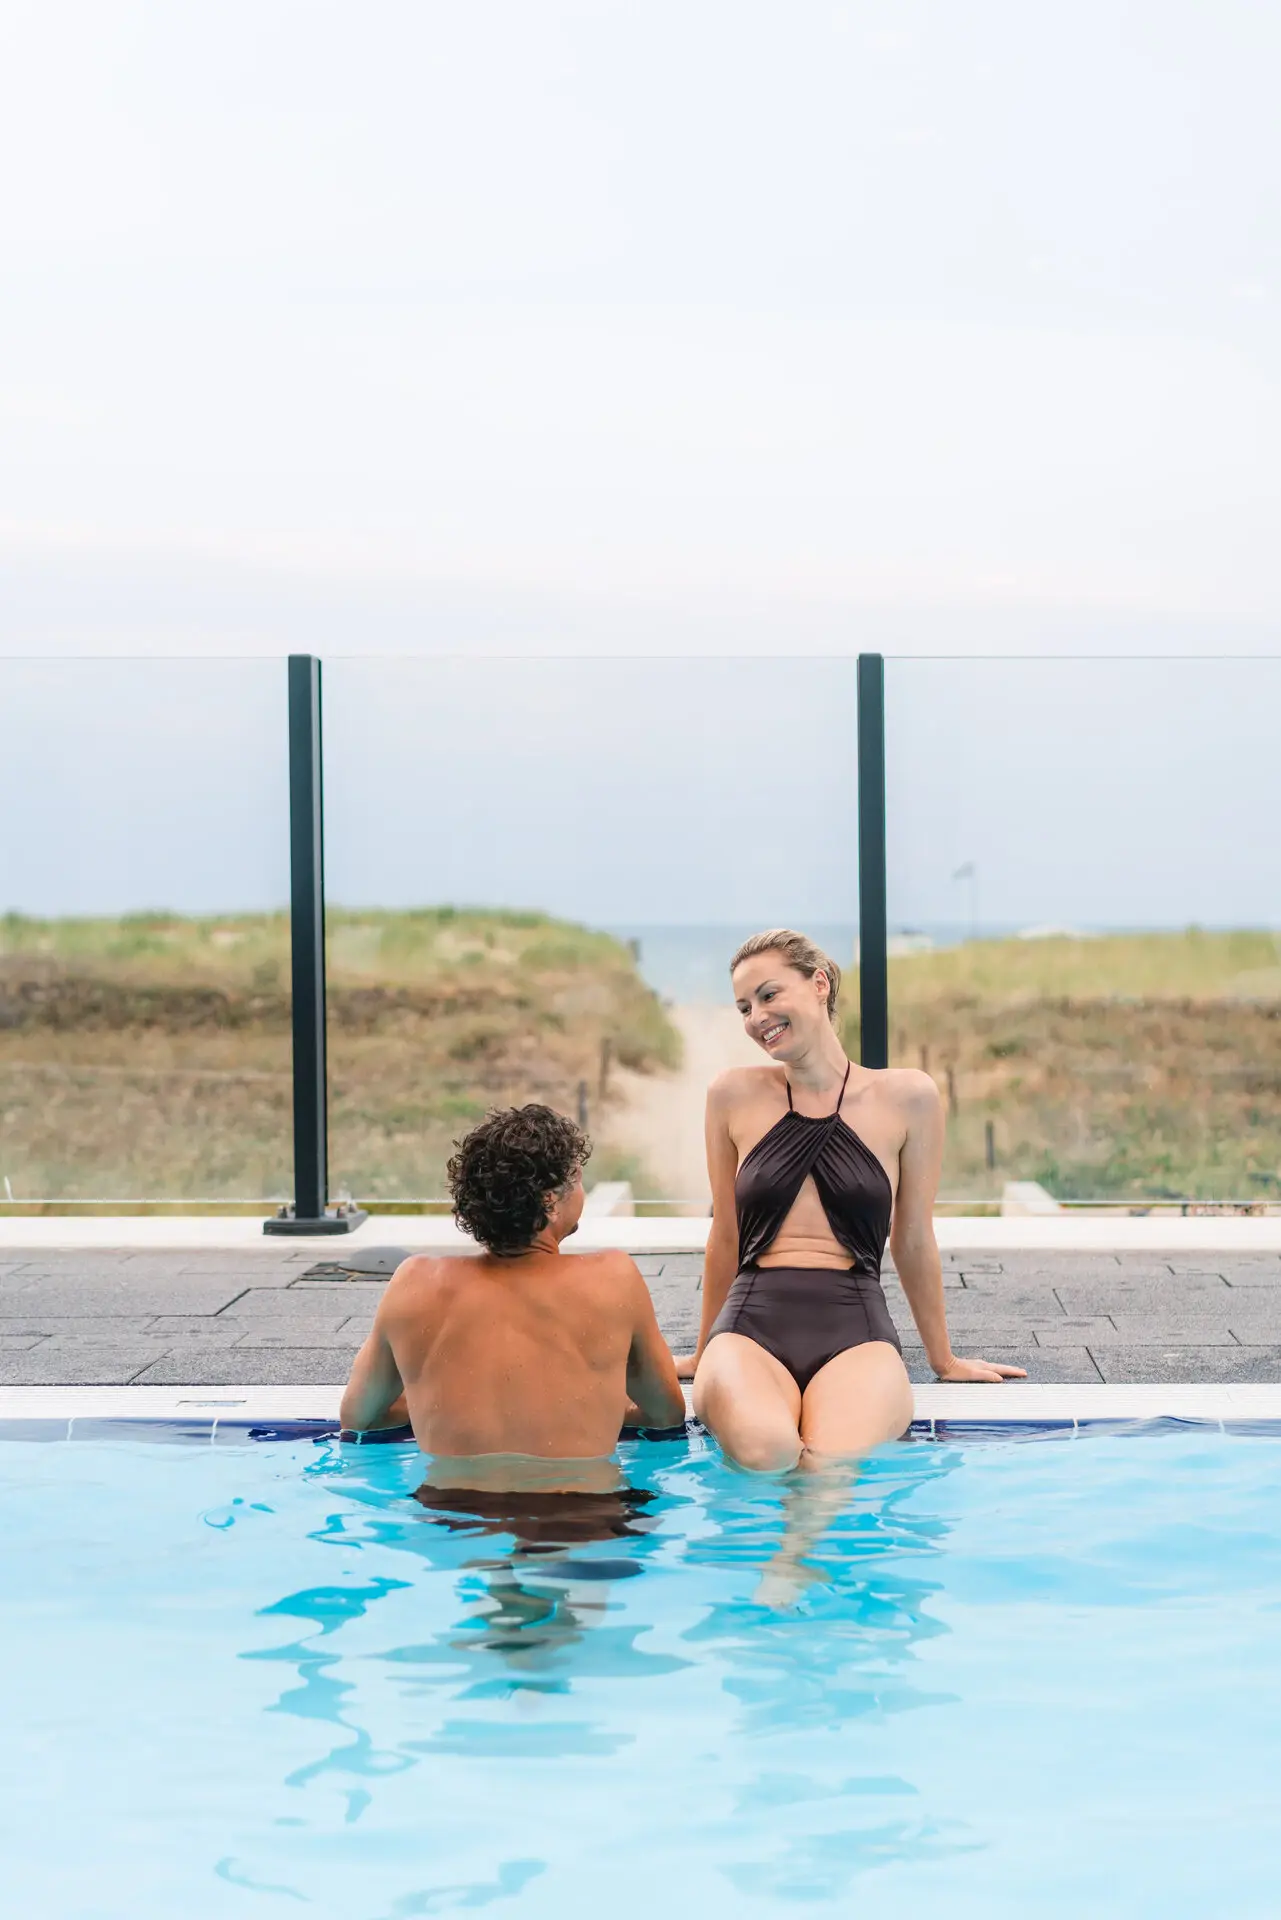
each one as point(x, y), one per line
point(782, 1010)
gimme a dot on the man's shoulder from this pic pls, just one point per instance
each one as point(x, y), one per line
point(604, 1265)
point(430, 1270)
point(607, 1276)
point(609, 1286)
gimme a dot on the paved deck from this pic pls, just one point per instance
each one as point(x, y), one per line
point(245, 1317)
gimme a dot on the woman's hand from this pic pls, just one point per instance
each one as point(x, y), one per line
point(978, 1370)
point(686, 1365)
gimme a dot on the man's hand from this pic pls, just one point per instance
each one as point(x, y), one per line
point(979, 1370)
point(397, 1415)
point(686, 1365)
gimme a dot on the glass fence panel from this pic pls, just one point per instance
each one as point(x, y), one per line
point(144, 945)
point(537, 873)
point(1084, 898)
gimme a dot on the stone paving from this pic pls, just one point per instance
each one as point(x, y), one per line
point(244, 1319)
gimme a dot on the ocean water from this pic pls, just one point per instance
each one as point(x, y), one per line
point(1024, 1679)
point(690, 965)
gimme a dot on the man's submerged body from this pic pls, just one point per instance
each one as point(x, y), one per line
point(517, 1371)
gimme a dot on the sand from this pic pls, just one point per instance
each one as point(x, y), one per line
point(659, 1116)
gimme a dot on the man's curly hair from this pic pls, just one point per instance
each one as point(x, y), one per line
point(506, 1167)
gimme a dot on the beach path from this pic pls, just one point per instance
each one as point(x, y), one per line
point(659, 1116)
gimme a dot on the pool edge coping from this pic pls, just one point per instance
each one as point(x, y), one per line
point(1012, 1405)
point(642, 1235)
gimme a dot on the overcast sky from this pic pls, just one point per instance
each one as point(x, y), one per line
point(609, 329)
point(870, 312)
point(1086, 793)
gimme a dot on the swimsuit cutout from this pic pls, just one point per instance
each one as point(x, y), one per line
point(805, 1316)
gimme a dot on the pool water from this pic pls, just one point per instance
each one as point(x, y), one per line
point(1027, 1678)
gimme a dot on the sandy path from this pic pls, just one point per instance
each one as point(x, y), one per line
point(659, 1116)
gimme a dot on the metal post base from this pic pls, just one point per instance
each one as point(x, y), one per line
point(344, 1220)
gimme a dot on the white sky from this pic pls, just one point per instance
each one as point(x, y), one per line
point(614, 328)
point(1093, 792)
point(639, 325)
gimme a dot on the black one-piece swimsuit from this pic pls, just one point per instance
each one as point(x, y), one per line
point(805, 1316)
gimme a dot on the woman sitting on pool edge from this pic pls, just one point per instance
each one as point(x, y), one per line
point(814, 1163)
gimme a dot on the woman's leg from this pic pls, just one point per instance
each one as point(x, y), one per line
point(750, 1402)
point(813, 1500)
point(856, 1402)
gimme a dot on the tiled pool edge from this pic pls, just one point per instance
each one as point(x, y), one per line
point(296, 1411)
point(238, 1432)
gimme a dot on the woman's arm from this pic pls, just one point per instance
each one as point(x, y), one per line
point(721, 1261)
point(912, 1242)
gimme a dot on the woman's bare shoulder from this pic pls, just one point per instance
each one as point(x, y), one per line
point(735, 1086)
point(913, 1092)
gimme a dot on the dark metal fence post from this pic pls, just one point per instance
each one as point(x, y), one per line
point(873, 966)
point(307, 948)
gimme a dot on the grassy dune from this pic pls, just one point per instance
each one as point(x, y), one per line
point(1136, 1066)
point(149, 1056)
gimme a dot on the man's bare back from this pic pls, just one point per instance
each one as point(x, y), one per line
point(528, 1353)
point(541, 1354)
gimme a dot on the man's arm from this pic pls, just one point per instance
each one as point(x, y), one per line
point(652, 1387)
point(372, 1396)
point(720, 1262)
point(912, 1242)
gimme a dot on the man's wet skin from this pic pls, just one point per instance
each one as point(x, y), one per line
point(524, 1473)
point(517, 1362)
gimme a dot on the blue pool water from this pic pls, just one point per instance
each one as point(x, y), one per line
point(1019, 1679)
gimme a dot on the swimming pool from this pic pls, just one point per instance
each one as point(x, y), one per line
point(1035, 1677)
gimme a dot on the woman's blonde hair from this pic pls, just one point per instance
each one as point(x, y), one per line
point(798, 952)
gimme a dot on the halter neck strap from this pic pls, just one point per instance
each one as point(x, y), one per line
point(840, 1097)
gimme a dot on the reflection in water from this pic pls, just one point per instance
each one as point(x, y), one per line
point(531, 1607)
point(511, 1878)
point(320, 1696)
point(822, 1866)
point(834, 1624)
point(538, 1522)
point(528, 1611)
point(814, 1498)
point(825, 1641)
point(851, 1539)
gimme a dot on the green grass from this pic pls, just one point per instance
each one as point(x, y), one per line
point(150, 1055)
point(1143, 1066)
point(1190, 965)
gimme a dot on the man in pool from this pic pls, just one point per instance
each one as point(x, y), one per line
point(517, 1368)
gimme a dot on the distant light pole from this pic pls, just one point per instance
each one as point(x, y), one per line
point(969, 871)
